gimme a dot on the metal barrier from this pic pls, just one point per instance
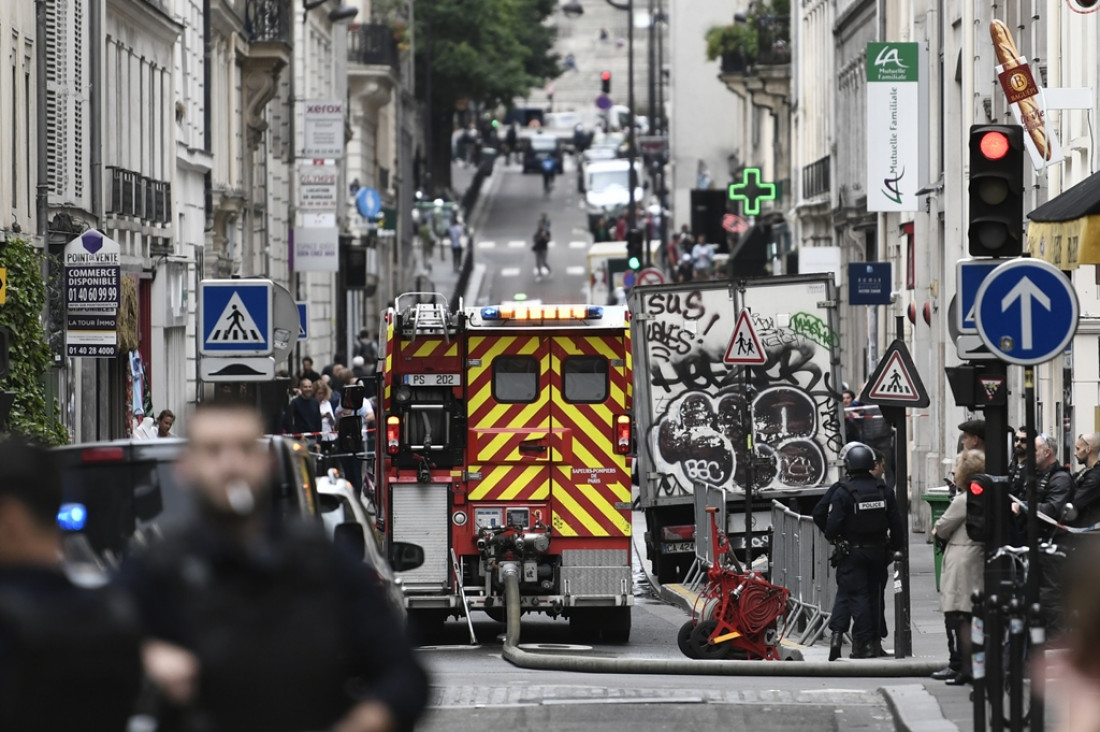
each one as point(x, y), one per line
point(800, 562)
point(704, 542)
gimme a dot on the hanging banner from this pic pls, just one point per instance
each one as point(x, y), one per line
point(893, 126)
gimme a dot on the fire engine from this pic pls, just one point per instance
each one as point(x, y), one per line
point(505, 440)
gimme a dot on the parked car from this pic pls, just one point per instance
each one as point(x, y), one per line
point(121, 494)
point(350, 522)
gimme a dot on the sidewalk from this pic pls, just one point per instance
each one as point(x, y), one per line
point(915, 704)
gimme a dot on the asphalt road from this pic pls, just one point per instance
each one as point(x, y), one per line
point(505, 239)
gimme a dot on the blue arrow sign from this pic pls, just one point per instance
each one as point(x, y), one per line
point(368, 202)
point(970, 273)
point(236, 317)
point(1026, 311)
point(303, 320)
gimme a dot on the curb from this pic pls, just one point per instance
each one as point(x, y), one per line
point(914, 709)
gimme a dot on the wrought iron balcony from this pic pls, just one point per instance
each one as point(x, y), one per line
point(268, 21)
point(372, 45)
point(815, 178)
point(133, 194)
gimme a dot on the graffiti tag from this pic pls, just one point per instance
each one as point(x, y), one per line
point(814, 328)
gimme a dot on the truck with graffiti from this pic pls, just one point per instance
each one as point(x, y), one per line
point(720, 366)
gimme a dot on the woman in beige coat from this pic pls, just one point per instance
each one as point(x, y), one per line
point(963, 560)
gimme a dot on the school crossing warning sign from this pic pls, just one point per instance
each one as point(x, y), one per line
point(895, 382)
point(744, 348)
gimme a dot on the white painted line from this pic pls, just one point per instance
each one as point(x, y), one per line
point(578, 245)
point(520, 244)
point(509, 272)
point(578, 270)
point(486, 245)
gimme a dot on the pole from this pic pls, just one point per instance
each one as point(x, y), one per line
point(903, 631)
point(632, 139)
point(652, 73)
point(1034, 569)
point(996, 463)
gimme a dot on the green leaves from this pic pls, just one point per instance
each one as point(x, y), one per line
point(29, 354)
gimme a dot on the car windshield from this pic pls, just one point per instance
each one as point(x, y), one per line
point(543, 143)
point(607, 180)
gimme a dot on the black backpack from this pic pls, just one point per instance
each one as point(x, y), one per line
point(73, 660)
point(869, 513)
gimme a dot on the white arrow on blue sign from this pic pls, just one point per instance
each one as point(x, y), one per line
point(1026, 311)
point(236, 317)
point(303, 320)
point(970, 273)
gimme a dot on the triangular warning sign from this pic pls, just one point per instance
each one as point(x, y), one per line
point(895, 382)
point(744, 347)
point(235, 325)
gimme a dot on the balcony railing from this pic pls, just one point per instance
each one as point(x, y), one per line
point(372, 45)
point(815, 178)
point(133, 194)
point(773, 41)
point(267, 21)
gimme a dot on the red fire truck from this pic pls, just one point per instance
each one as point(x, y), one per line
point(504, 443)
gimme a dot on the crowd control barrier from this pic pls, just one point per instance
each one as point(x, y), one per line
point(800, 562)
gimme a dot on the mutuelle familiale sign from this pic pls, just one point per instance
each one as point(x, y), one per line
point(893, 126)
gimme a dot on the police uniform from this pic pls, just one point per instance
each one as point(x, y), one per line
point(863, 513)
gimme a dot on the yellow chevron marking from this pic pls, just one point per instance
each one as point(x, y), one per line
point(562, 526)
point(428, 348)
point(536, 484)
point(563, 498)
point(608, 510)
point(495, 449)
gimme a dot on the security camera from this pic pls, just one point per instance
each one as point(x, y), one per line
point(1083, 6)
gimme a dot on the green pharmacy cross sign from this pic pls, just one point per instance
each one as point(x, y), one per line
point(751, 191)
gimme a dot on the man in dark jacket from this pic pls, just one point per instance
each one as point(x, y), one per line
point(303, 414)
point(252, 624)
point(68, 654)
point(864, 522)
point(1086, 488)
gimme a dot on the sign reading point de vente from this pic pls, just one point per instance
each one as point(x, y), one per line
point(893, 126)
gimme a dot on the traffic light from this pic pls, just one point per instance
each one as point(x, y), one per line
point(987, 511)
point(996, 190)
point(634, 249)
point(605, 82)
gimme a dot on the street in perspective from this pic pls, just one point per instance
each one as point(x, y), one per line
point(377, 365)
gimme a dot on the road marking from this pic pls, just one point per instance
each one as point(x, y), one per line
point(1025, 291)
point(578, 245)
point(578, 270)
point(486, 245)
point(509, 272)
point(517, 244)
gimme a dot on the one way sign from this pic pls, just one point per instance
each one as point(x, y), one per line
point(895, 382)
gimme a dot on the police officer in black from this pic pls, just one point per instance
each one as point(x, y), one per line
point(68, 653)
point(865, 525)
point(255, 624)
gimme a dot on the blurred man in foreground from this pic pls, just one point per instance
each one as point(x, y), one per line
point(256, 624)
point(68, 655)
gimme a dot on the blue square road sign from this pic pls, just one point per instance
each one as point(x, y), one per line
point(236, 317)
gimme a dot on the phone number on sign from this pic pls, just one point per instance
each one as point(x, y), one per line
point(92, 294)
point(77, 351)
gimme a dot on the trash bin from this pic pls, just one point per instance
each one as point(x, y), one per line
point(938, 500)
point(488, 157)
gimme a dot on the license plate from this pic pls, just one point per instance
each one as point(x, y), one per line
point(432, 379)
point(678, 547)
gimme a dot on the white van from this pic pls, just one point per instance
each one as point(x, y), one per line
point(606, 188)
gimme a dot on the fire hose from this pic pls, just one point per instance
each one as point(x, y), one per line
point(869, 668)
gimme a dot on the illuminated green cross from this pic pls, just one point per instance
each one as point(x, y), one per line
point(752, 191)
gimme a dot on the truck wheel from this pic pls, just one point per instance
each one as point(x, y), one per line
point(428, 624)
point(496, 614)
point(584, 626)
point(616, 624)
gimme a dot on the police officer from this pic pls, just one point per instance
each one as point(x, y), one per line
point(68, 654)
point(256, 624)
point(841, 617)
point(864, 522)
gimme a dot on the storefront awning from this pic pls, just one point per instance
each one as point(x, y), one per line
point(1065, 230)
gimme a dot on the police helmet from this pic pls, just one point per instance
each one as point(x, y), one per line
point(859, 457)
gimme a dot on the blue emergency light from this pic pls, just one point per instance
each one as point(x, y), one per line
point(72, 516)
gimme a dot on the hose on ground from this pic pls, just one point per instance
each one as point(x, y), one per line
point(583, 664)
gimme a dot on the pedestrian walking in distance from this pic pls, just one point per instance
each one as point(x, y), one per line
point(542, 246)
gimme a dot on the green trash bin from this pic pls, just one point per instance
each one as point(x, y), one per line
point(938, 501)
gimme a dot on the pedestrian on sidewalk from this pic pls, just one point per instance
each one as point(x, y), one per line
point(542, 246)
point(456, 232)
point(427, 242)
point(963, 571)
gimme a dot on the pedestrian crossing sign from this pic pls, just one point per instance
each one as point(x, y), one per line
point(744, 348)
point(896, 382)
point(236, 317)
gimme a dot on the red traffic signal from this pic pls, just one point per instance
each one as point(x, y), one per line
point(605, 82)
point(994, 145)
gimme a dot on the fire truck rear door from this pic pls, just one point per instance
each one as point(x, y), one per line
point(589, 383)
point(508, 389)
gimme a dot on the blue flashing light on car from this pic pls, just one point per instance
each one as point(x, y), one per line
point(72, 516)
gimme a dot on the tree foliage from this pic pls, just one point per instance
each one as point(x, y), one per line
point(29, 356)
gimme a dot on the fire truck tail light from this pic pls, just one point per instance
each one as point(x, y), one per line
point(622, 434)
point(393, 435)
